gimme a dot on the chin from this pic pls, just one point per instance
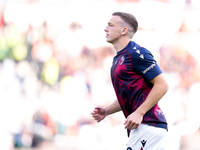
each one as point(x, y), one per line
point(109, 41)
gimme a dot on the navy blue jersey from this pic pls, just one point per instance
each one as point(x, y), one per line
point(132, 69)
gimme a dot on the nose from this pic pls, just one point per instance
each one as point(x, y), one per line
point(106, 30)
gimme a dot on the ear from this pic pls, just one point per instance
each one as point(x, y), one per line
point(124, 31)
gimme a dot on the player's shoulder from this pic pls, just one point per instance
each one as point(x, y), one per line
point(138, 51)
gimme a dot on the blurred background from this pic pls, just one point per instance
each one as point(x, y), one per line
point(55, 68)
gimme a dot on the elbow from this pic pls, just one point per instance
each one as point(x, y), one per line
point(166, 87)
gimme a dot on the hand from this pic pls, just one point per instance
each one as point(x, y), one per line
point(99, 113)
point(133, 121)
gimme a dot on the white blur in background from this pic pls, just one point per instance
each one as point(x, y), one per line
point(55, 68)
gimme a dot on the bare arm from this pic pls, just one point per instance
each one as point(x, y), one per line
point(113, 108)
point(158, 91)
point(99, 113)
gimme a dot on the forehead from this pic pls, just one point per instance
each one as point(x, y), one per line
point(115, 19)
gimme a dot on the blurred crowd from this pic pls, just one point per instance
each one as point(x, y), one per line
point(55, 68)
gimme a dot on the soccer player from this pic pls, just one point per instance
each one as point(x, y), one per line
point(139, 85)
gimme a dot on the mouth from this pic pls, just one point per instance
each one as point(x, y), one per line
point(107, 35)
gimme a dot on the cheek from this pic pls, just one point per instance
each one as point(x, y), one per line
point(115, 33)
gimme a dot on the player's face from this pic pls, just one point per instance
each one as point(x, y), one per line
point(113, 29)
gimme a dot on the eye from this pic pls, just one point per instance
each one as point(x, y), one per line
point(110, 24)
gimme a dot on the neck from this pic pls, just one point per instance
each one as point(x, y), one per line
point(121, 44)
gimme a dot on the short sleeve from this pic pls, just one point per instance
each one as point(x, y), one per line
point(145, 64)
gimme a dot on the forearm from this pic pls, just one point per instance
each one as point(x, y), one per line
point(158, 91)
point(113, 108)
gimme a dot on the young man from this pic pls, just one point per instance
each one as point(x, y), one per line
point(139, 85)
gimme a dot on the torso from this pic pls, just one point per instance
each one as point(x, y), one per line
point(132, 69)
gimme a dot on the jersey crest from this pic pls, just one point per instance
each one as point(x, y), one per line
point(121, 60)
